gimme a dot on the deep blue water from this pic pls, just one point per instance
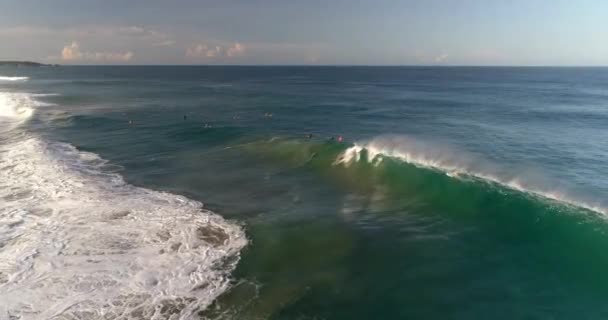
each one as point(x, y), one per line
point(456, 193)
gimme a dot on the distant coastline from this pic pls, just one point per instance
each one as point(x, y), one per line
point(26, 64)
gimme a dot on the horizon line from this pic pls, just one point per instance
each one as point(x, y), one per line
point(333, 65)
point(318, 65)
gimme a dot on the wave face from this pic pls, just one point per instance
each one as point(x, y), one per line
point(3, 78)
point(77, 242)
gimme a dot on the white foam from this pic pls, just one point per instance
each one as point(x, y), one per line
point(457, 165)
point(77, 242)
point(3, 78)
point(45, 94)
point(16, 106)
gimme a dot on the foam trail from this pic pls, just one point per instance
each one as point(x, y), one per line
point(77, 242)
point(3, 78)
point(454, 164)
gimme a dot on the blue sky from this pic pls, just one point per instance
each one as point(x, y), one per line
point(381, 32)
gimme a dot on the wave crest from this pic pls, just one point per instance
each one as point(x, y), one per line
point(3, 78)
point(456, 165)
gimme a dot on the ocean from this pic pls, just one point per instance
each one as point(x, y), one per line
point(236, 192)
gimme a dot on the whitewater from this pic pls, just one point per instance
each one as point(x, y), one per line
point(78, 242)
point(4, 78)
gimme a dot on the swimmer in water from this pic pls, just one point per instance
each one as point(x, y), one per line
point(340, 139)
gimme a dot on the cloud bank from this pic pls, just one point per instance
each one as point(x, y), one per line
point(72, 52)
point(202, 50)
point(110, 44)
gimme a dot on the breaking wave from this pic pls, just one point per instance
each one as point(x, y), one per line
point(16, 106)
point(3, 78)
point(457, 165)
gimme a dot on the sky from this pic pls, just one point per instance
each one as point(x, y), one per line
point(307, 32)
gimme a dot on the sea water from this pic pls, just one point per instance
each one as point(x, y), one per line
point(225, 193)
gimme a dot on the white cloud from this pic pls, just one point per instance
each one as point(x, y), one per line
point(441, 58)
point(72, 52)
point(110, 56)
point(202, 50)
point(206, 51)
point(236, 50)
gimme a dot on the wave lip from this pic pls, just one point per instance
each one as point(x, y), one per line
point(456, 165)
point(3, 78)
point(78, 241)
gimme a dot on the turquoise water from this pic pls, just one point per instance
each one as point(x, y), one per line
point(225, 193)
